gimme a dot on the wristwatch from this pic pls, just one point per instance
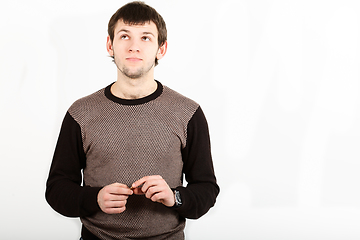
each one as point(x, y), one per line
point(178, 201)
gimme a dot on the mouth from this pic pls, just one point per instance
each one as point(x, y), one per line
point(134, 59)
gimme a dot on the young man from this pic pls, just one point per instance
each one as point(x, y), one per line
point(133, 140)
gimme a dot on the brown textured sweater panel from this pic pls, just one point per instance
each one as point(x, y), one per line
point(124, 143)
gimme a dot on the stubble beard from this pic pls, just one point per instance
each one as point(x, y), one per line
point(133, 75)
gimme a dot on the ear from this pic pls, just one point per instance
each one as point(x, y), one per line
point(109, 46)
point(162, 51)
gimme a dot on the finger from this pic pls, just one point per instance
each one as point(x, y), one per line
point(158, 197)
point(138, 183)
point(156, 184)
point(115, 210)
point(119, 189)
point(115, 204)
point(138, 187)
point(118, 185)
point(150, 191)
point(145, 179)
point(114, 197)
point(138, 191)
point(117, 197)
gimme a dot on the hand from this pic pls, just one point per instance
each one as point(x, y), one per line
point(112, 198)
point(156, 189)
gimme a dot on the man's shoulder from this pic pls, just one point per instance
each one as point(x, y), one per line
point(87, 103)
point(178, 99)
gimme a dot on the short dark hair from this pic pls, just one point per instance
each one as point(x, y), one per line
point(138, 13)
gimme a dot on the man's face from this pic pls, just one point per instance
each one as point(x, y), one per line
point(135, 48)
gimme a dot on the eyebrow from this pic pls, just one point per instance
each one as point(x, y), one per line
point(123, 30)
point(127, 31)
point(148, 33)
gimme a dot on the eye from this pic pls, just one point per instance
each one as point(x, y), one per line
point(124, 37)
point(145, 38)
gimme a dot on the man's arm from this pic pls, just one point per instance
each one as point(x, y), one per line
point(64, 192)
point(201, 192)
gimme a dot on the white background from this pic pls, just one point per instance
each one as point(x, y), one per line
point(278, 81)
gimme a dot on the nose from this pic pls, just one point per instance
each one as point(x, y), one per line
point(134, 46)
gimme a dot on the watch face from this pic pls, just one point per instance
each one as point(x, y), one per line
point(177, 198)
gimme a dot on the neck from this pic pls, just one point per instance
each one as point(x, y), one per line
point(127, 88)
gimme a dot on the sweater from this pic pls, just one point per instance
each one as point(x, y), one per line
point(105, 139)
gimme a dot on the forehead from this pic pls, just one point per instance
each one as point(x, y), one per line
point(148, 27)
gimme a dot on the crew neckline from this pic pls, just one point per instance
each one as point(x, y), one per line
point(138, 101)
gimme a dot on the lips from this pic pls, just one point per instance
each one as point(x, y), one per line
point(134, 59)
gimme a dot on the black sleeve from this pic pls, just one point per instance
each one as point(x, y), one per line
point(64, 192)
point(201, 191)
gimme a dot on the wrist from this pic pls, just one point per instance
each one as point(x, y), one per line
point(177, 198)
